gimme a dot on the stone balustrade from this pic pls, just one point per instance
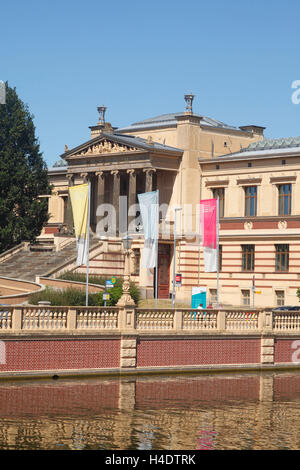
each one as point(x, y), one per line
point(27, 318)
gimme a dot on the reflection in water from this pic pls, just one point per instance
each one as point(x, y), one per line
point(205, 412)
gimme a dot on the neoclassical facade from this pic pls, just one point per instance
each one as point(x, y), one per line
point(160, 153)
point(259, 192)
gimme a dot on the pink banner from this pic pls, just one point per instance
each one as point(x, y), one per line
point(208, 218)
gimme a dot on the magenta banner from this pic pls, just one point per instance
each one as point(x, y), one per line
point(208, 219)
point(208, 216)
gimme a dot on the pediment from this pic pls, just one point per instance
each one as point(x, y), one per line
point(102, 147)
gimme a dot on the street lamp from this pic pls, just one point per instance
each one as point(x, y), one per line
point(174, 256)
point(126, 298)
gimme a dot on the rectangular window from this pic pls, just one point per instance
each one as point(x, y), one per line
point(213, 296)
point(279, 298)
point(284, 199)
point(247, 257)
point(250, 201)
point(245, 297)
point(220, 193)
point(282, 258)
point(137, 257)
point(220, 257)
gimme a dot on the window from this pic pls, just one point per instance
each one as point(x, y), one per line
point(137, 256)
point(282, 258)
point(220, 257)
point(247, 257)
point(279, 297)
point(250, 201)
point(219, 193)
point(285, 199)
point(213, 296)
point(245, 297)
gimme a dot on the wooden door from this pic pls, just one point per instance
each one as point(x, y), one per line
point(163, 271)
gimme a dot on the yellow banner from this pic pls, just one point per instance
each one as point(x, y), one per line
point(79, 202)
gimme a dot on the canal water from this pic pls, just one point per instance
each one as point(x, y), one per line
point(175, 412)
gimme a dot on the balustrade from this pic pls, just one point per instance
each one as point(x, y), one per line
point(43, 318)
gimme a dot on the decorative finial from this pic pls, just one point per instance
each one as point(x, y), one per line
point(101, 111)
point(189, 103)
point(66, 148)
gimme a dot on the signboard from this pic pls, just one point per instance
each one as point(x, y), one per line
point(198, 297)
point(257, 292)
point(109, 283)
point(178, 279)
point(113, 280)
point(106, 296)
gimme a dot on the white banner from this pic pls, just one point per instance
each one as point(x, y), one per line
point(210, 259)
point(149, 213)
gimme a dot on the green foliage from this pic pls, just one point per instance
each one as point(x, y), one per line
point(23, 175)
point(68, 296)
point(298, 294)
point(115, 292)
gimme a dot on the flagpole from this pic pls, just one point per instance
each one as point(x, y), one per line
point(88, 244)
point(218, 217)
point(156, 269)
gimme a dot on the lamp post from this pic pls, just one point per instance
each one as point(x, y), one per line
point(126, 298)
point(174, 256)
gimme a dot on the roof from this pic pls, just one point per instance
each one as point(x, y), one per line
point(166, 120)
point(129, 140)
point(263, 148)
point(268, 144)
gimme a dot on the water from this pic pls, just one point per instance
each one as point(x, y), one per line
point(178, 412)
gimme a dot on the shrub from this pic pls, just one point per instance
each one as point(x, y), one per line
point(75, 296)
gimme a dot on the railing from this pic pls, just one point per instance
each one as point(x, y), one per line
point(45, 318)
point(37, 318)
point(157, 319)
point(284, 321)
point(6, 318)
point(237, 320)
point(95, 318)
point(199, 320)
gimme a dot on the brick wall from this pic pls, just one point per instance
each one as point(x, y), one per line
point(180, 352)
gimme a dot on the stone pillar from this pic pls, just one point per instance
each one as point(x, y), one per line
point(149, 177)
point(68, 215)
point(99, 195)
point(131, 193)
point(116, 196)
point(84, 176)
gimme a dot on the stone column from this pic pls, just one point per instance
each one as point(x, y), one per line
point(131, 194)
point(84, 176)
point(99, 195)
point(116, 196)
point(149, 177)
point(68, 215)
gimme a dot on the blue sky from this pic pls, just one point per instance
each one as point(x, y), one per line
point(139, 58)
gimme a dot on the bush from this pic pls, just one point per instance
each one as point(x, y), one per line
point(74, 296)
point(68, 296)
point(298, 294)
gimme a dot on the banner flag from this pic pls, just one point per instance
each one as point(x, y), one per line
point(149, 213)
point(79, 196)
point(208, 219)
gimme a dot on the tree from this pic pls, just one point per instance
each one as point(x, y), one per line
point(23, 175)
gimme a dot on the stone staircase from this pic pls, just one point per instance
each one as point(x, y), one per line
point(38, 259)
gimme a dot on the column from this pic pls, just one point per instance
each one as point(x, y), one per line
point(149, 176)
point(131, 195)
point(99, 195)
point(68, 215)
point(116, 196)
point(84, 176)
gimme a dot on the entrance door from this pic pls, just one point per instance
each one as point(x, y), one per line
point(163, 271)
